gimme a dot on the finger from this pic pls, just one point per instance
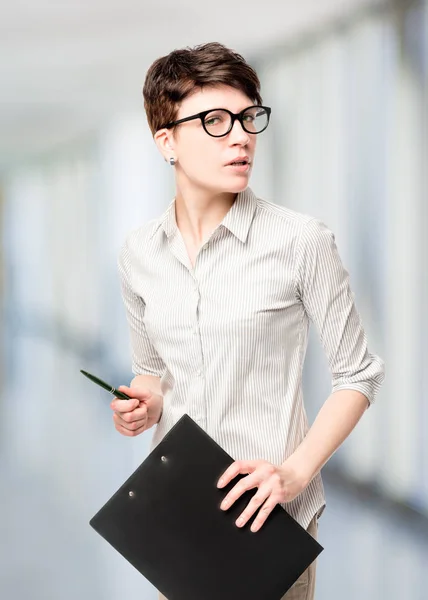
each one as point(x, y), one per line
point(243, 485)
point(135, 415)
point(255, 503)
point(132, 426)
point(129, 433)
point(124, 406)
point(141, 393)
point(263, 513)
point(236, 468)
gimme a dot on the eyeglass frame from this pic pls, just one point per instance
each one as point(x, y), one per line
point(234, 117)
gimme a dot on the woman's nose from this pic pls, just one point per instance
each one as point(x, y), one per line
point(238, 135)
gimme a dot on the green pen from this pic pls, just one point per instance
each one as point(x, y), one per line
point(106, 386)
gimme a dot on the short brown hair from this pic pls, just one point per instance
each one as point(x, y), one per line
point(172, 78)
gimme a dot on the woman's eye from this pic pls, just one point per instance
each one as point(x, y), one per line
point(212, 121)
point(249, 118)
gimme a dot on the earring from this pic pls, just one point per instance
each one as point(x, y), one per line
point(172, 161)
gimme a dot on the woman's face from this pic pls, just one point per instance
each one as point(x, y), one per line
point(204, 161)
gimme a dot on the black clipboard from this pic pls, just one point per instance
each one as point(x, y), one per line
point(167, 522)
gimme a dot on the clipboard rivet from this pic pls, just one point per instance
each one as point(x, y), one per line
point(131, 494)
point(163, 458)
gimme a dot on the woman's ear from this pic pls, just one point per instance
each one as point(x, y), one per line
point(164, 142)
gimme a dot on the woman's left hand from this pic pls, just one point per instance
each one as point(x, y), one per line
point(276, 485)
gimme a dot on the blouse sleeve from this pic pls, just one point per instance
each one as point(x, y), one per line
point(145, 359)
point(322, 284)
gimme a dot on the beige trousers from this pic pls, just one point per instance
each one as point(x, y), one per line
point(304, 588)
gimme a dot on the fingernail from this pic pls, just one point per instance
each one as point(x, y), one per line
point(240, 521)
point(220, 483)
point(224, 504)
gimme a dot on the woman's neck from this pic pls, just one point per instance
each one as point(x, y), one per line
point(198, 212)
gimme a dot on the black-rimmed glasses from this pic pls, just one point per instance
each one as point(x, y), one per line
point(218, 122)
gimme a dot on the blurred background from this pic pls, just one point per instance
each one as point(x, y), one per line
point(348, 84)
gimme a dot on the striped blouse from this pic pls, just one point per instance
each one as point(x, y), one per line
point(228, 337)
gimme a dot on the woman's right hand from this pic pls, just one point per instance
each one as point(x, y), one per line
point(132, 417)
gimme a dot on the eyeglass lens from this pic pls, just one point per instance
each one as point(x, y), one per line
point(219, 122)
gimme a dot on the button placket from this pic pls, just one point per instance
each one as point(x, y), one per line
point(198, 409)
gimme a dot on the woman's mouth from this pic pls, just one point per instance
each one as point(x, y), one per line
point(240, 166)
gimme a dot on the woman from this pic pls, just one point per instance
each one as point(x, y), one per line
point(219, 293)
